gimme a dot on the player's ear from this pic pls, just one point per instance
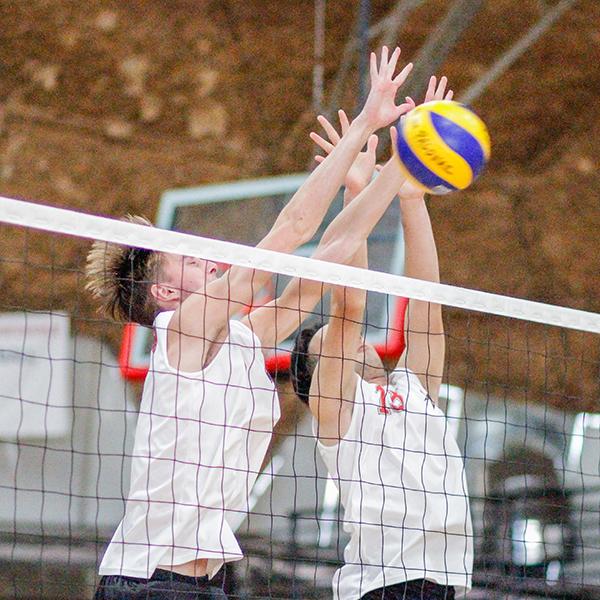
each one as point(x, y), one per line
point(164, 293)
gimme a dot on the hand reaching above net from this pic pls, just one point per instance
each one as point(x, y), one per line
point(361, 172)
point(380, 108)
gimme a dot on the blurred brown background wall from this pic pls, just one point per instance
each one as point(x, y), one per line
point(103, 105)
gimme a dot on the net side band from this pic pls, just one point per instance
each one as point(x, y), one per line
point(68, 222)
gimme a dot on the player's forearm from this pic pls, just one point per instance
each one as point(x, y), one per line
point(352, 226)
point(420, 252)
point(310, 203)
point(424, 325)
point(349, 303)
point(276, 320)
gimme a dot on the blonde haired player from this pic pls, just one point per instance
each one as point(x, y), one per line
point(208, 407)
point(381, 434)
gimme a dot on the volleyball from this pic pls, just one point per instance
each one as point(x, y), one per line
point(442, 146)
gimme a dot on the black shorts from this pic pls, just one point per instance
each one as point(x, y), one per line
point(417, 589)
point(163, 585)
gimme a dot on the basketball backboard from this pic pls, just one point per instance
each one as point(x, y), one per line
point(243, 212)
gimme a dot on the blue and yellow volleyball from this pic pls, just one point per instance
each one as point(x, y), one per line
point(442, 146)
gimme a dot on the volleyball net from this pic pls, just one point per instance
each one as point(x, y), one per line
point(519, 397)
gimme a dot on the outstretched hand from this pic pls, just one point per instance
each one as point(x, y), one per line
point(380, 108)
point(360, 173)
point(435, 91)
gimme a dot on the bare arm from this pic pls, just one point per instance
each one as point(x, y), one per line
point(280, 318)
point(424, 328)
point(333, 386)
point(341, 241)
point(298, 222)
point(192, 333)
point(277, 320)
point(334, 381)
point(344, 237)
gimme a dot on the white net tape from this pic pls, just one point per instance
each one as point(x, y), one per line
point(68, 222)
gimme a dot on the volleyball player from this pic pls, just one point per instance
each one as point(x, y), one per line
point(382, 435)
point(208, 407)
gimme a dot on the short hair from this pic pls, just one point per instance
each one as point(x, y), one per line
point(120, 278)
point(302, 365)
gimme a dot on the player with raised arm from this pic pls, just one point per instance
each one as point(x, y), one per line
point(208, 407)
point(383, 437)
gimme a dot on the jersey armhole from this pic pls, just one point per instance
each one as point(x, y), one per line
point(161, 342)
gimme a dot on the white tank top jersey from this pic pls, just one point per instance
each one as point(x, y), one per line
point(199, 443)
point(402, 484)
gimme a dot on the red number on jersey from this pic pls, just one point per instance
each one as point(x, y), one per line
point(389, 400)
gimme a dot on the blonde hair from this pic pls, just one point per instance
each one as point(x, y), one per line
point(120, 277)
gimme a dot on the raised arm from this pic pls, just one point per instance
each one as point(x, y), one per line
point(352, 226)
point(340, 242)
point(334, 382)
point(203, 317)
point(299, 220)
point(275, 321)
point(424, 328)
